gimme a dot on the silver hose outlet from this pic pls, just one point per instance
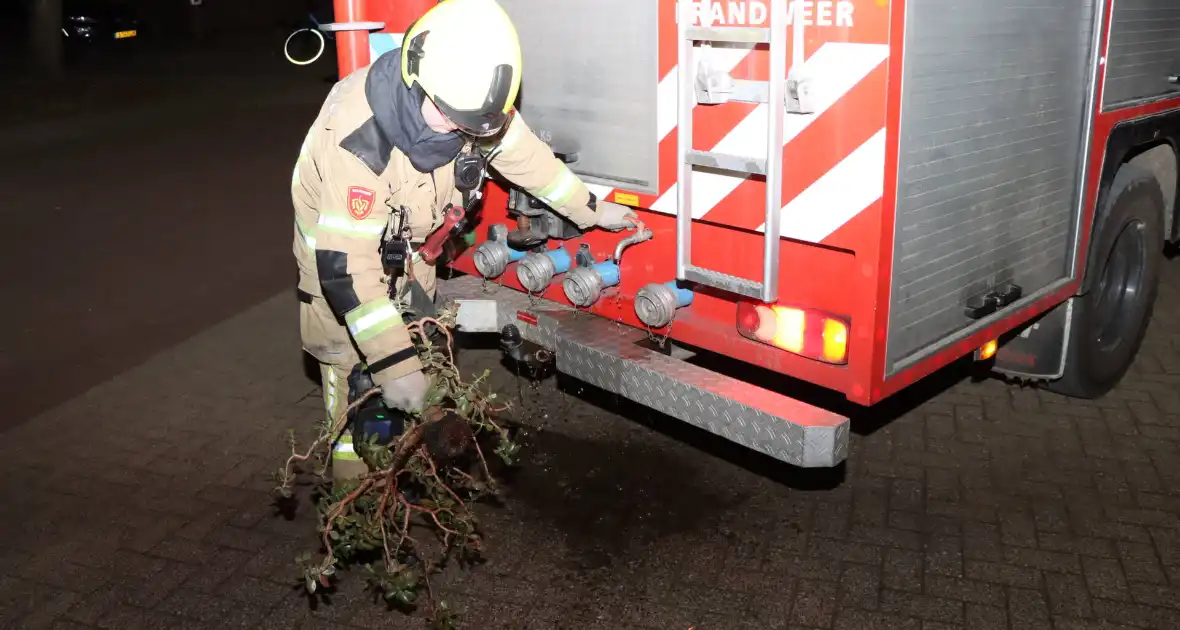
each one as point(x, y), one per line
point(655, 305)
point(535, 272)
point(491, 258)
point(582, 286)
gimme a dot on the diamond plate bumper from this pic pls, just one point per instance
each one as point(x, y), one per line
point(606, 355)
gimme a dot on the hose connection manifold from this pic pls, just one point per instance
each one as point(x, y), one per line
point(656, 304)
point(537, 269)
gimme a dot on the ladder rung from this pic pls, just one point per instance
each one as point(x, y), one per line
point(725, 161)
point(723, 281)
point(736, 34)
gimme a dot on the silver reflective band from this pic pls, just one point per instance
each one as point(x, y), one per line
point(369, 320)
point(344, 225)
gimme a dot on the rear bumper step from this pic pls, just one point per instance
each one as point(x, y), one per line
point(607, 355)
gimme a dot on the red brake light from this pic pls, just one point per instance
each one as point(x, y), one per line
point(805, 332)
point(747, 317)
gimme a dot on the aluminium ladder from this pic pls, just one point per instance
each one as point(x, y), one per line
point(774, 95)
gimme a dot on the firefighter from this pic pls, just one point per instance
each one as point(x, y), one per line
point(375, 172)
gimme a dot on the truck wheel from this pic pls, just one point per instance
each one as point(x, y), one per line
point(1109, 322)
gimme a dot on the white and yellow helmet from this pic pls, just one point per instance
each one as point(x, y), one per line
point(466, 56)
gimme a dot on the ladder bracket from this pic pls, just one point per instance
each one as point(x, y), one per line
point(713, 86)
point(799, 92)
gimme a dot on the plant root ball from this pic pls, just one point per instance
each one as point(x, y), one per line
point(448, 437)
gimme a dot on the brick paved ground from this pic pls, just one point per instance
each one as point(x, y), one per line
point(144, 504)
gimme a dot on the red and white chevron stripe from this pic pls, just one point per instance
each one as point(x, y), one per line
point(834, 158)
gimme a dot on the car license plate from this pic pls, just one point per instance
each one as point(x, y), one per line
point(124, 34)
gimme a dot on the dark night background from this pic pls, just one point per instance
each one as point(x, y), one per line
point(169, 23)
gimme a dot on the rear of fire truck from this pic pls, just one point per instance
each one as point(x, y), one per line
point(853, 193)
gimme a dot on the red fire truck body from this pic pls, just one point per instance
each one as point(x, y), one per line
point(944, 177)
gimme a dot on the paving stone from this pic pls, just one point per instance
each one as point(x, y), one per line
point(1154, 595)
point(1018, 528)
point(1027, 608)
point(1080, 545)
point(981, 541)
point(1105, 578)
point(983, 617)
point(902, 570)
point(1136, 614)
point(1068, 623)
point(1042, 560)
point(210, 609)
point(131, 618)
point(815, 603)
point(922, 606)
point(860, 586)
point(944, 556)
point(965, 590)
point(1067, 595)
point(847, 619)
point(1140, 563)
point(886, 537)
point(48, 612)
point(1003, 574)
point(237, 538)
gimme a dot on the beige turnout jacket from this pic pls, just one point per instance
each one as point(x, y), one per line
point(348, 182)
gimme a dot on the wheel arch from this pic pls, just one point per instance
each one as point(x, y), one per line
point(1149, 143)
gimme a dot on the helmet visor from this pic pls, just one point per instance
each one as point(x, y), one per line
point(489, 118)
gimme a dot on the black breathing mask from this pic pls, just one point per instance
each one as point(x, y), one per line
point(469, 170)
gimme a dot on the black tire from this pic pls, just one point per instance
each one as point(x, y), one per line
point(1109, 321)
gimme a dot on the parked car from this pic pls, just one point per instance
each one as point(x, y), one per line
point(93, 22)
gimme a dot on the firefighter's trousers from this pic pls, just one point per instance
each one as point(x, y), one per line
point(328, 342)
point(326, 338)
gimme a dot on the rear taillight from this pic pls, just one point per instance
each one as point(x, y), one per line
point(805, 332)
point(987, 350)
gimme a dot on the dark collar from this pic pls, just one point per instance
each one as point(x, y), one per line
point(397, 123)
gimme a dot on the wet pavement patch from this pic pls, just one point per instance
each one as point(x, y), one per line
point(613, 499)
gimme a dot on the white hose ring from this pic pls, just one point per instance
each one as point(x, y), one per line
point(287, 45)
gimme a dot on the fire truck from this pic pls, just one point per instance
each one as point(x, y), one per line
point(850, 193)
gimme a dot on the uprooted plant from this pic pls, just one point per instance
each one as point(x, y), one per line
point(427, 477)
